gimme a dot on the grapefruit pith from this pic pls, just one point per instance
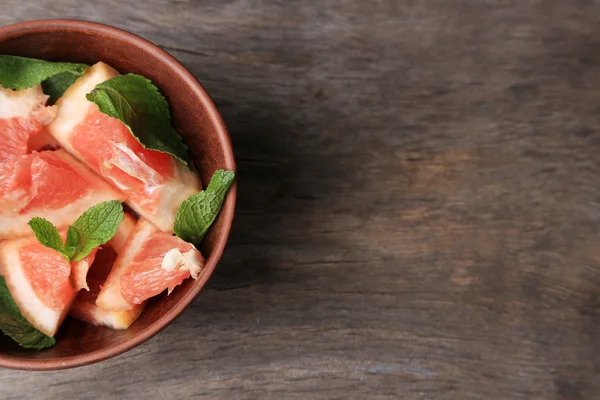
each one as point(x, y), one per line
point(154, 183)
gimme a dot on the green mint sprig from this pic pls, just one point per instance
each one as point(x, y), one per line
point(93, 228)
point(197, 213)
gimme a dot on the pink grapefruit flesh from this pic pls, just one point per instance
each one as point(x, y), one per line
point(145, 276)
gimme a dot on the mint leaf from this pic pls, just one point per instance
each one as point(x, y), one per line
point(197, 213)
point(22, 73)
point(220, 182)
point(56, 85)
point(96, 226)
point(13, 324)
point(136, 102)
point(93, 228)
point(72, 242)
point(47, 234)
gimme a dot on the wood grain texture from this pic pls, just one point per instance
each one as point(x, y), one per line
point(419, 205)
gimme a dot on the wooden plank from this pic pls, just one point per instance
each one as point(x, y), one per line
point(419, 203)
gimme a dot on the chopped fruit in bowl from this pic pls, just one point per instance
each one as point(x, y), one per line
point(68, 247)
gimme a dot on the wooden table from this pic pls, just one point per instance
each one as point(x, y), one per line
point(419, 207)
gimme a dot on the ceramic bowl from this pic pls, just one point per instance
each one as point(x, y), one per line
point(195, 118)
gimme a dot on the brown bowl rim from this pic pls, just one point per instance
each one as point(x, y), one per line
point(41, 25)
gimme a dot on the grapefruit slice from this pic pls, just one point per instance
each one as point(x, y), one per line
point(84, 308)
point(22, 118)
point(150, 262)
point(51, 184)
point(38, 279)
point(154, 183)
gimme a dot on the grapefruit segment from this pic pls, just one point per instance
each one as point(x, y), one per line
point(84, 308)
point(51, 184)
point(110, 297)
point(154, 183)
point(38, 279)
point(150, 262)
point(23, 117)
point(164, 262)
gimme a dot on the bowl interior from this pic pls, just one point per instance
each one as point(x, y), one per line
point(194, 117)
